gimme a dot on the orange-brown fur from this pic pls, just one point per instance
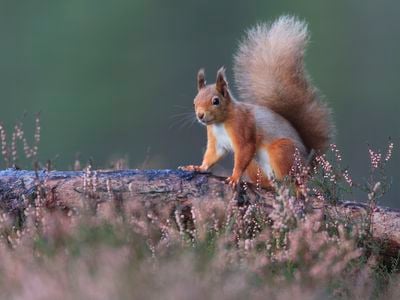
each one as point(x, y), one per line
point(280, 112)
point(256, 175)
point(241, 131)
point(239, 123)
point(282, 154)
point(269, 71)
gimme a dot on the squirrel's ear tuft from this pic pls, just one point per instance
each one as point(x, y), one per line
point(201, 79)
point(221, 83)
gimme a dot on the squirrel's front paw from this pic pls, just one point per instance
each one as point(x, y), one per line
point(192, 168)
point(233, 181)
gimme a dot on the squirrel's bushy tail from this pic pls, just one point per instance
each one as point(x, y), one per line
point(269, 71)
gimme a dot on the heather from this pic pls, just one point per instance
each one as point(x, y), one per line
point(107, 249)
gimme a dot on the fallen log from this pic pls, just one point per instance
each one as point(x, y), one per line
point(69, 189)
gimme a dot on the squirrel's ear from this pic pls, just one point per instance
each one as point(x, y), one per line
point(221, 83)
point(201, 79)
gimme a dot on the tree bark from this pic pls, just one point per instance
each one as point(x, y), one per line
point(69, 189)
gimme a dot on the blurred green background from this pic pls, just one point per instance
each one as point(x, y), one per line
point(109, 76)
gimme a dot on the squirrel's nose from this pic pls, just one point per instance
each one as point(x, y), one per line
point(200, 116)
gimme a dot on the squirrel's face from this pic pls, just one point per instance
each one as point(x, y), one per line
point(212, 101)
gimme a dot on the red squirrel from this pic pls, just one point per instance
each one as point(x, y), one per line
point(279, 111)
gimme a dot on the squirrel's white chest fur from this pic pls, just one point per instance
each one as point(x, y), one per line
point(224, 142)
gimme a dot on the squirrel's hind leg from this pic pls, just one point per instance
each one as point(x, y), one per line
point(281, 154)
point(256, 175)
point(280, 159)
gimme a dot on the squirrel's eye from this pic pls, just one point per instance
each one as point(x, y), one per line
point(215, 101)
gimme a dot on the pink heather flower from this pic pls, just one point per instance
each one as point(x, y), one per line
point(347, 177)
point(375, 158)
point(319, 195)
point(389, 151)
point(336, 152)
point(327, 168)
